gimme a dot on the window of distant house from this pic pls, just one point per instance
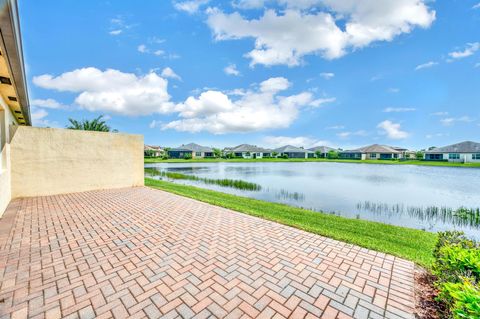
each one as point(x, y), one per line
point(476, 156)
point(454, 156)
point(198, 153)
point(373, 155)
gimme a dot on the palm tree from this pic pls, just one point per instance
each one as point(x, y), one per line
point(96, 124)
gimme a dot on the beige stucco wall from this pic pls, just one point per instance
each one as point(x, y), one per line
point(7, 118)
point(48, 161)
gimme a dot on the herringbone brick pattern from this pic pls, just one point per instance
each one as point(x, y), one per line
point(142, 253)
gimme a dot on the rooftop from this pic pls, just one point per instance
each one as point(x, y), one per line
point(375, 148)
point(291, 149)
point(193, 148)
point(248, 148)
point(463, 147)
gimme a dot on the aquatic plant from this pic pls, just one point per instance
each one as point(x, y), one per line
point(233, 183)
point(461, 216)
point(284, 194)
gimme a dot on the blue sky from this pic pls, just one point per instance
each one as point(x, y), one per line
point(268, 72)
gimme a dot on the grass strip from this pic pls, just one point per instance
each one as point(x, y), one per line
point(412, 244)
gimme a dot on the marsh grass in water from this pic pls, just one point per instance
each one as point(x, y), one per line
point(462, 216)
point(233, 183)
point(284, 194)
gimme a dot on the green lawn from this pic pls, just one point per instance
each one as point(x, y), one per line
point(412, 244)
point(412, 162)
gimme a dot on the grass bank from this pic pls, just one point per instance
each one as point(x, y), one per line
point(241, 160)
point(412, 244)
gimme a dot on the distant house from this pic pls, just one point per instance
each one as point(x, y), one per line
point(293, 152)
point(406, 153)
point(322, 150)
point(372, 152)
point(248, 151)
point(463, 152)
point(193, 150)
point(151, 150)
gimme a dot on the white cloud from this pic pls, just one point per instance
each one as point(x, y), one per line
point(392, 130)
point(449, 121)
point(398, 109)
point(298, 141)
point(320, 102)
point(327, 75)
point(348, 134)
point(48, 103)
point(335, 127)
point(477, 6)
point(231, 69)
point(253, 110)
point(155, 123)
point(115, 32)
point(425, 65)
point(39, 115)
point(469, 50)
point(112, 90)
point(191, 6)
point(159, 52)
point(286, 37)
point(169, 73)
point(142, 48)
point(441, 113)
point(393, 90)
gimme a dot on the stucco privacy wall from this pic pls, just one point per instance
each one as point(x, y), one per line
point(48, 161)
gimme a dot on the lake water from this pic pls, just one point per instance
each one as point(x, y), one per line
point(405, 195)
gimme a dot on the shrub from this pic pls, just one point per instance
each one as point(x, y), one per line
point(462, 299)
point(457, 267)
point(455, 262)
point(285, 156)
point(187, 156)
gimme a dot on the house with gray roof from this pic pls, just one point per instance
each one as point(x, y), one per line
point(293, 152)
point(322, 151)
point(191, 150)
point(248, 151)
point(372, 152)
point(464, 152)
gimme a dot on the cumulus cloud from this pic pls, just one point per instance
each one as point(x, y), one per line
point(327, 75)
point(253, 110)
point(425, 65)
point(329, 28)
point(469, 50)
point(169, 73)
point(398, 109)
point(335, 127)
point(112, 91)
point(299, 141)
point(440, 113)
point(191, 6)
point(392, 130)
point(231, 69)
point(48, 103)
point(477, 6)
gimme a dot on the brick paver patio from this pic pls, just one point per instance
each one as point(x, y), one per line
point(141, 252)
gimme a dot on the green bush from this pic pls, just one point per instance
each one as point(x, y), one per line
point(462, 299)
point(457, 268)
point(187, 156)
